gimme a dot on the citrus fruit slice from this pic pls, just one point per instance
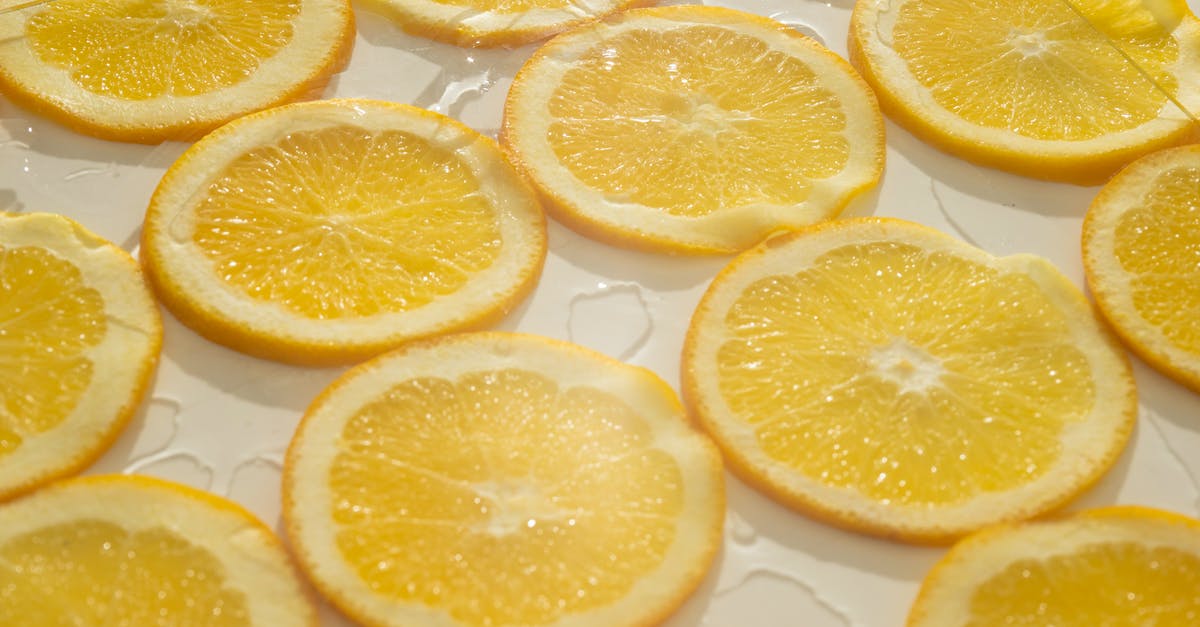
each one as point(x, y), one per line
point(501, 479)
point(1067, 90)
point(139, 71)
point(888, 378)
point(326, 232)
point(79, 341)
point(125, 550)
point(692, 129)
point(1109, 566)
point(491, 23)
point(1141, 242)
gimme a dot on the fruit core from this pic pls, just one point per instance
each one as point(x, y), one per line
point(909, 367)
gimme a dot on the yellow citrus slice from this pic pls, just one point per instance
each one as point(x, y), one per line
point(1066, 90)
point(1141, 242)
point(125, 550)
point(145, 71)
point(502, 479)
point(1109, 566)
point(79, 340)
point(888, 378)
point(326, 232)
point(692, 129)
point(491, 23)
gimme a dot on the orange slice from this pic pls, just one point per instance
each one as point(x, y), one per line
point(139, 71)
point(1141, 242)
point(888, 378)
point(327, 232)
point(692, 129)
point(501, 479)
point(1067, 90)
point(79, 341)
point(490, 23)
point(121, 550)
point(1109, 566)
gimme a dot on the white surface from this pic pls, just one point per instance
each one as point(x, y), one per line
point(220, 421)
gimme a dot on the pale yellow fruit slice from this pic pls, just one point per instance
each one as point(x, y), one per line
point(490, 23)
point(692, 129)
point(891, 379)
point(1141, 247)
point(1109, 566)
point(1066, 90)
point(327, 232)
point(500, 479)
point(145, 71)
point(125, 550)
point(80, 336)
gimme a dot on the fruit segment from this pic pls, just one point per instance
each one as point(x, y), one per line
point(311, 223)
point(668, 107)
point(327, 232)
point(886, 377)
point(126, 550)
point(149, 71)
point(1149, 585)
point(1140, 251)
point(1121, 565)
point(1137, 29)
point(80, 335)
point(500, 487)
point(505, 480)
point(492, 23)
point(1158, 243)
point(692, 129)
point(1038, 68)
point(49, 319)
point(98, 573)
point(509, 6)
point(142, 50)
point(1068, 90)
point(960, 379)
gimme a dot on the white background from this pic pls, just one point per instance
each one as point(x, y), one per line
point(220, 421)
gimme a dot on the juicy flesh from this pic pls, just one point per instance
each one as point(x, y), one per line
point(908, 376)
point(502, 498)
point(92, 572)
point(1101, 584)
point(511, 6)
point(696, 119)
point(1158, 243)
point(1061, 70)
point(48, 320)
point(343, 223)
point(143, 49)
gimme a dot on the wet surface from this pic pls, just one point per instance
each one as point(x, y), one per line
point(611, 318)
point(220, 421)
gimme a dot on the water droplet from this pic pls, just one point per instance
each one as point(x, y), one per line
point(175, 465)
point(613, 318)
